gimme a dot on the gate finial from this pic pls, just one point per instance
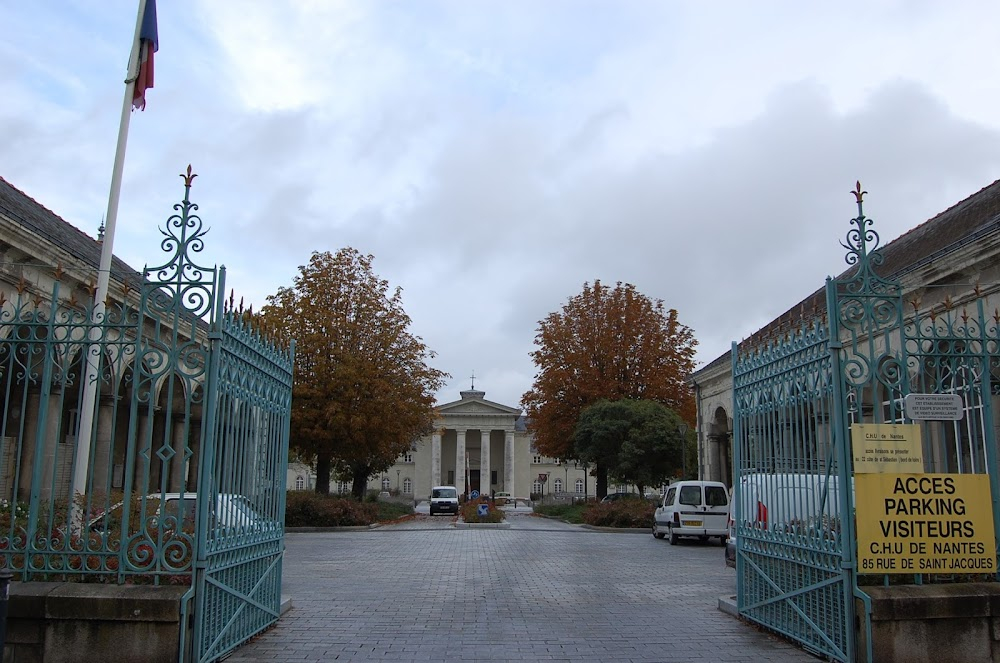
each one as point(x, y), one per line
point(188, 177)
point(859, 195)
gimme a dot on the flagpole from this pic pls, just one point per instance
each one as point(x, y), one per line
point(91, 384)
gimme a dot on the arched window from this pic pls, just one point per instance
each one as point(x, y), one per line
point(558, 485)
point(407, 487)
point(579, 486)
point(343, 488)
point(386, 484)
point(300, 482)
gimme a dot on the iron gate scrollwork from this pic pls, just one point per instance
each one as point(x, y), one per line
point(796, 396)
point(145, 440)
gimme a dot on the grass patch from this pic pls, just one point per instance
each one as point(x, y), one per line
point(571, 513)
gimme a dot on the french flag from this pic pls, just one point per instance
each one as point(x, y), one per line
point(148, 44)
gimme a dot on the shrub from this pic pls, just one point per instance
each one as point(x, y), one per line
point(309, 509)
point(470, 512)
point(620, 513)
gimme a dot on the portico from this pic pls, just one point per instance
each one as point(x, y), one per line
point(473, 444)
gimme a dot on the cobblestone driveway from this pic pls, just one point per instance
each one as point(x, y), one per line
point(539, 591)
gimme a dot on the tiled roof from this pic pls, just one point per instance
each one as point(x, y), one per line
point(950, 230)
point(36, 218)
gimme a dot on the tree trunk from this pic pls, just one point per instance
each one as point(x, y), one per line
point(360, 485)
point(602, 481)
point(323, 473)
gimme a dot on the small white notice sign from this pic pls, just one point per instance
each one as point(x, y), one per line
point(941, 407)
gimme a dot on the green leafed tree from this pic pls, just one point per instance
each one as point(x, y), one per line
point(606, 344)
point(363, 388)
point(639, 442)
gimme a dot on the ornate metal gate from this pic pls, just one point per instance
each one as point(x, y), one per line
point(796, 396)
point(146, 441)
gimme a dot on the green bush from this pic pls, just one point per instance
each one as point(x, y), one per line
point(470, 512)
point(304, 508)
point(620, 513)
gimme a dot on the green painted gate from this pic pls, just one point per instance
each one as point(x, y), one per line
point(797, 392)
point(145, 441)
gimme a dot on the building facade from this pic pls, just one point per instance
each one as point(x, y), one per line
point(949, 262)
point(479, 445)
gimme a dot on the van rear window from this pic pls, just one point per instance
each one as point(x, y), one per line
point(716, 496)
point(690, 495)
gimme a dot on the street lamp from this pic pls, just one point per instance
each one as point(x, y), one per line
point(683, 429)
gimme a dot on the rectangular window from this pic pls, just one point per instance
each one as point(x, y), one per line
point(493, 477)
point(451, 477)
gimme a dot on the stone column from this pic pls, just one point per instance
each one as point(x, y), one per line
point(484, 462)
point(29, 435)
point(436, 459)
point(141, 458)
point(102, 464)
point(508, 462)
point(50, 442)
point(178, 462)
point(460, 461)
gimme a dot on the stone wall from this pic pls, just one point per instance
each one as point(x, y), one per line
point(55, 622)
point(933, 623)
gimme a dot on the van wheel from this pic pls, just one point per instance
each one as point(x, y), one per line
point(657, 534)
point(722, 540)
point(673, 535)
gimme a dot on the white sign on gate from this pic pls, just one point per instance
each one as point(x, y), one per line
point(940, 407)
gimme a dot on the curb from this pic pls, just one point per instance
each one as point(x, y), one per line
point(464, 525)
point(351, 528)
point(727, 604)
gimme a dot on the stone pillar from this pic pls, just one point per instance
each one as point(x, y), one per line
point(460, 461)
point(29, 433)
point(178, 442)
point(436, 458)
point(484, 462)
point(50, 445)
point(142, 456)
point(508, 461)
point(101, 466)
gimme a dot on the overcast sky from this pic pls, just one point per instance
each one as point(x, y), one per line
point(494, 156)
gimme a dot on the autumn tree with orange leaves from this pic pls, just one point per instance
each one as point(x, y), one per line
point(606, 344)
point(363, 391)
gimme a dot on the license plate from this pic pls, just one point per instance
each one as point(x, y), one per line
point(691, 523)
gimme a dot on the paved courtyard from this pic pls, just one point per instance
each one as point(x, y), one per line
point(540, 591)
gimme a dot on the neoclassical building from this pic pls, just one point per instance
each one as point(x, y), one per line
point(480, 445)
point(947, 262)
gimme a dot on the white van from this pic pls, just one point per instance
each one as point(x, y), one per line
point(693, 508)
point(787, 500)
point(803, 503)
point(444, 499)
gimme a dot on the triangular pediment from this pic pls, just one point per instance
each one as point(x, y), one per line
point(476, 406)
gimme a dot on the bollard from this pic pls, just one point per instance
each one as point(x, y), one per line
point(5, 578)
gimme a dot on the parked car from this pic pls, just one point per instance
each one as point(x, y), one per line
point(177, 511)
point(693, 509)
point(614, 497)
point(444, 499)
